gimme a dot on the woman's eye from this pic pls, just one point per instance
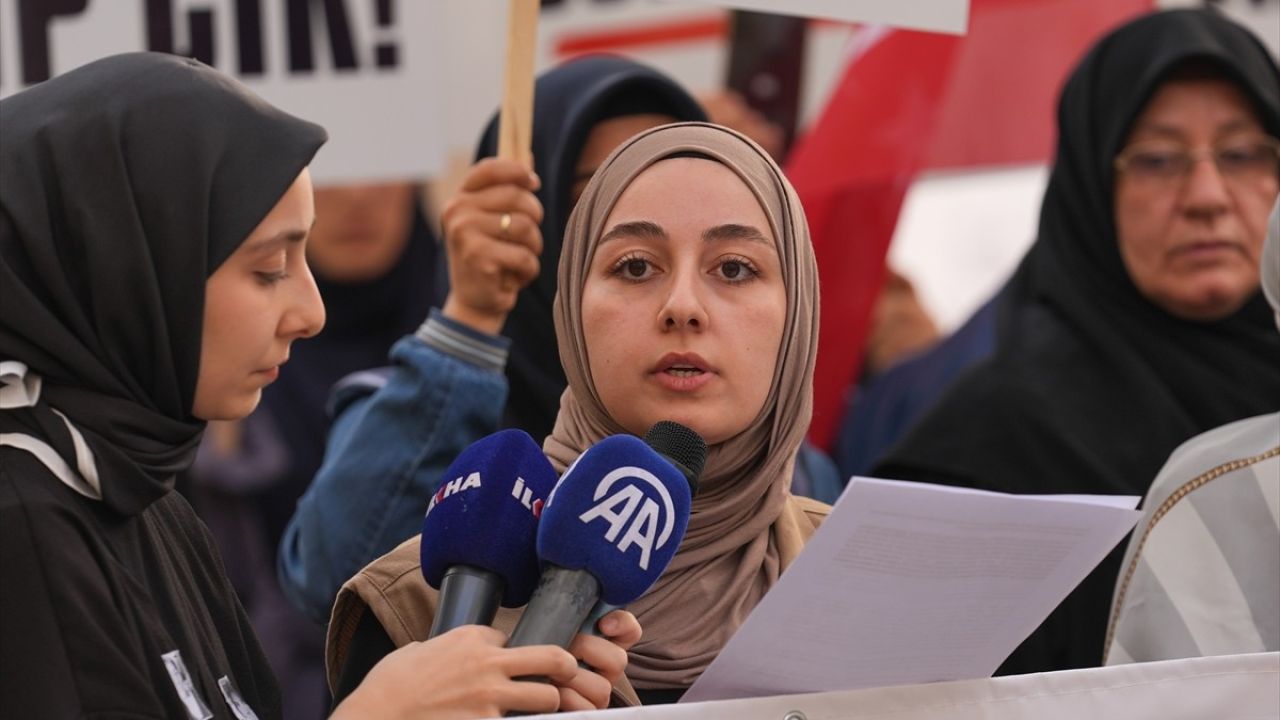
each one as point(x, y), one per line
point(632, 268)
point(271, 278)
point(636, 268)
point(736, 270)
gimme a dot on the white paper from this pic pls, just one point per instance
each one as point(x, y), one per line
point(910, 583)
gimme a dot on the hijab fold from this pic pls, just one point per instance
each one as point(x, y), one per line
point(744, 514)
point(123, 185)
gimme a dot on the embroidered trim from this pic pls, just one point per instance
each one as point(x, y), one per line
point(1174, 498)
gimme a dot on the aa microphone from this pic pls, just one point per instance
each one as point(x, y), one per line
point(478, 537)
point(608, 530)
point(687, 451)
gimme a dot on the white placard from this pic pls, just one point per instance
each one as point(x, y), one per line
point(367, 70)
point(947, 16)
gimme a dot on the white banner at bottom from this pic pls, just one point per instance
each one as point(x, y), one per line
point(1229, 687)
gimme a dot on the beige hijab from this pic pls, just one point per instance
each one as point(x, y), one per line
point(744, 518)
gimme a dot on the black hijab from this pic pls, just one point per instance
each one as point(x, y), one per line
point(568, 103)
point(1092, 385)
point(123, 185)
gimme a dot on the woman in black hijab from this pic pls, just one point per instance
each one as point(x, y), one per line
point(119, 197)
point(153, 218)
point(1116, 340)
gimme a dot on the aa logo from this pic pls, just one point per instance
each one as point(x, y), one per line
point(633, 516)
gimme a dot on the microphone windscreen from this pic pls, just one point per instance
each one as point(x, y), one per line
point(485, 513)
point(619, 512)
point(682, 446)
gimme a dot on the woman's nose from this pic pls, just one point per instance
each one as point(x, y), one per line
point(685, 306)
point(306, 317)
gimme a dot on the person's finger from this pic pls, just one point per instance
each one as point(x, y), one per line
point(481, 634)
point(462, 228)
point(509, 259)
point(546, 661)
point(504, 198)
point(622, 628)
point(471, 208)
point(572, 701)
point(526, 696)
point(519, 229)
point(496, 171)
point(600, 654)
point(591, 690)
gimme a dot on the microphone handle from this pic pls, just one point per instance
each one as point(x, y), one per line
point(559, 606)
point(468, 596)
point(557, 609)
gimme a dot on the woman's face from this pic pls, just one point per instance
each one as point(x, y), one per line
point(255, 304)
point(603, 139)
point(684, 303)
point(362, 230)
point(1191, 242)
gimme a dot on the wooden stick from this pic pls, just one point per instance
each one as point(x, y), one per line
point(515, 120)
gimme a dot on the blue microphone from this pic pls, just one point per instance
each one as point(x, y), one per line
point(610, 527)
point(478, 538)
point(687, 451)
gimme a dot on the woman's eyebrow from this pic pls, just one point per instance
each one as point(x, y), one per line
point(641, 229)
point(733, 231)
point(1177, 132)
point(647, 230)
point(283, 237)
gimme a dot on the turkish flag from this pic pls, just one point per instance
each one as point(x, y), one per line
point(910, 101)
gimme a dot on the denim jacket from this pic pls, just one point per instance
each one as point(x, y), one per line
point(395, 431)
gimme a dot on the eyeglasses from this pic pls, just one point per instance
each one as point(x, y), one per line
point(1162, 161)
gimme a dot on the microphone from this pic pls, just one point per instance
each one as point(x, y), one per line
point(682, 447)
point(478, 537)
point(687, 451)
point(609, 528)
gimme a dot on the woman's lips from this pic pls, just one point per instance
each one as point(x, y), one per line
point(1205, 250)
point(682, 372)
point(683, 379)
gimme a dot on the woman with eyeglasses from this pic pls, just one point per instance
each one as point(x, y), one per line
point(1135, 321)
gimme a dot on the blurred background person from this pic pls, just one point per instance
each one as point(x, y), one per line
point(1134, 317)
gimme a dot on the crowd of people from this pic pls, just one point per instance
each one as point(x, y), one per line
point(158, 238)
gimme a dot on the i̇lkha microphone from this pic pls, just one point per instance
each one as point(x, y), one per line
point(478, 537)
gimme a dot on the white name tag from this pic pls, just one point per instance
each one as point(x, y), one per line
point(196, 709)
point(238, 706)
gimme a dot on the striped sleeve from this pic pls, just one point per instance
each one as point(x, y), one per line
point(467, 344)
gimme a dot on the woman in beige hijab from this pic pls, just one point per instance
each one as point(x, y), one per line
point(687, 292)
